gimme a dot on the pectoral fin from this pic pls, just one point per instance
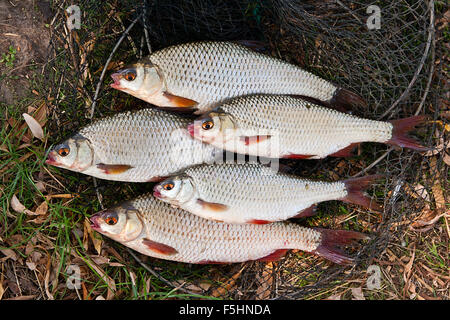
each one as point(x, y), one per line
point(297, 156)
point(113, 168)
point(179, 102)
point(217, 207)
point(159, 247)
point(274, 256)
point(248, 140)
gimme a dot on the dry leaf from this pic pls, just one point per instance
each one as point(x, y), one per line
point(97, 242)
point(9, 253)
point(42, 209)
point(2, 291)
point(265, 282)
point(34, 126)
point(227, 285)
point(336, 296)
point(19, 207)
point(422, 192)
point(357, 294)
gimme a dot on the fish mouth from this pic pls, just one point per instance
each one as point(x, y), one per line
point(191, 130)
point(157, 193)
point(51, 159)
point(94, 222)
point(116, 84)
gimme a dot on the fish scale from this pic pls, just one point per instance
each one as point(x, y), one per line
point(198, 240)
point(301, 126)
point(153, 142)
point(253, 192)
point(209, 72)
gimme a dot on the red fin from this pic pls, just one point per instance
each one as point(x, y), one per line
point(346, 99)
point(159, 247)
point(256, 221)
point(218, 207)
point(274, 256)
point(331, 242)
point(346, 152)
point(400, 130)
point(297, 156)
point(355, 195)
point(308, 212)
point(113, 168)
point(180, 102)
point(253, 139)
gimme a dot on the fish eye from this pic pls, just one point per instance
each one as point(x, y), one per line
point(111, 219)
point(208, 124)
point(130, 75)
point(168, 186)
point(64, 151)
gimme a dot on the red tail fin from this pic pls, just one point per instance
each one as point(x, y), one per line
point(400, 131)
point(355, 192)
point(332, 240)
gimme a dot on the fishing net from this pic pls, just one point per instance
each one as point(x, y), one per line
point(387, 53)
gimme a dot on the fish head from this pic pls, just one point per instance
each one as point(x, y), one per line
point(141, 80)
point(76, 154)
point(175, 190)
point(121, 223)
point(213, 127)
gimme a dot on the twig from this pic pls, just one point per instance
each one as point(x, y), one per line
point(97, 90)
point(149, 47)
point(422, 62)
point(161, 278)
point(374, 163)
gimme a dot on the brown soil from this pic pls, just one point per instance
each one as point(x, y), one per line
point(22, 25)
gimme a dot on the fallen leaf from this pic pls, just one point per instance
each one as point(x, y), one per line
point(336, 296)
point(265, 282)
point(42, 209)
point(227, 285)
point(97, 242)
point(9, 254)
point(19, 207)
point(34, 126)
point(357, 294)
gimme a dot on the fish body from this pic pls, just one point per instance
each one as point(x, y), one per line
point(154, 228)
point(252, 193)
point(278, 126)
point(201, 74)
point(138, 146)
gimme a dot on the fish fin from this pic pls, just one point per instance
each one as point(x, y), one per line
point(333, 240)
point(274, 256)
point(159, 247)
point(346, 99)
point(346, 152)
point(400, 130)
point(180, 102)
point(255, 45)
point(355, 195)
point(182, 110)
point(218, 207)
point(157, 179)
point(297, 156)
point(113, 168)
point(248, 140)
point(256, 221)
point(211, 262)
point(322, 103)
point(308, 212)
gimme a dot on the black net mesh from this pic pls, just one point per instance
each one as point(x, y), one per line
point(395, 68)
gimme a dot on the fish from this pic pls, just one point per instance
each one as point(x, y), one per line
point(135, 146)
point(254, 193)
point(196, 76)
point(280, 126)
point(156, 229)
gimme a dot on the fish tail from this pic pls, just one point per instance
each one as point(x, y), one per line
point(355, 191)
point(345, 99)
point(333, 240)
point(400, 131)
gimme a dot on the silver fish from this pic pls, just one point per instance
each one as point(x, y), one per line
point(278, 126)
point(201, 74)
point(154, 228)
point(252, 193)
point(139, 146)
